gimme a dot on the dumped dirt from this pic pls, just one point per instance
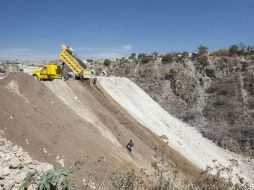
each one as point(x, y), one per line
point(76, 125)
point(183, 138)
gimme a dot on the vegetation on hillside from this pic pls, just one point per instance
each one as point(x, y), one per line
point(56, 179)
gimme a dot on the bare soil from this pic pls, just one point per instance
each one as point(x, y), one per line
point(77, 124)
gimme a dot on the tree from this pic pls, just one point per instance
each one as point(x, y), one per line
point(242, 48)
point(250, 50)
point(89, 60)
point(107, 62)
point(233, 50)
point(185, 54)
point(143, 58)
point(221, 52)
point(155, 53)
point(168, 58)
point(141, 55)
point(202, 50)
point(132, 56)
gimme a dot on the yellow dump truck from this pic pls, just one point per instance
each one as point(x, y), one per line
point(75, 64)
point(48, 72)
point(52, 71)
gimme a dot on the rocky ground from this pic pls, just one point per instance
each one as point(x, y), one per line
point(217, 97)
point(15, 163)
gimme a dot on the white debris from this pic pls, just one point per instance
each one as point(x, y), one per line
point(182, 137)
point(76, 99)
point(45, 150)
point(15, 164)
point(61, 161)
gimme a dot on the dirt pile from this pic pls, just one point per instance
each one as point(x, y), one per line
point(77, 125)
point(15, 164)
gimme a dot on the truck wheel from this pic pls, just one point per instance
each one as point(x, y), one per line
point(64, 78)
point(36, 77)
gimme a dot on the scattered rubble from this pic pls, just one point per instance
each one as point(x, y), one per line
point(15, 163)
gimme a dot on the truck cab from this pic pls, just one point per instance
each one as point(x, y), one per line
point(48, 72)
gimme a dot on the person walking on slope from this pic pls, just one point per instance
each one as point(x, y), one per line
point(130, 146)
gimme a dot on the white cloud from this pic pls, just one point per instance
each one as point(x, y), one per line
point(25, 54)
point(127, 47)
point(82, 52)
point(100, 53)
point(104, 54)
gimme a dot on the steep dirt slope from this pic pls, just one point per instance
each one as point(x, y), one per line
point(94, 104)
point(31, 116)
point(124, 126)
point(82, 102)
point(183, 138)
point(76, 125)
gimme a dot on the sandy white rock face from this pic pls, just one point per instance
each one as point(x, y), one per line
point(182, 137)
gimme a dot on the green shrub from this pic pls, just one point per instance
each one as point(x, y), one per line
point(99, 70)
point(210, 73)
point(250, 50)
point(144, 58)
point(168, 58)
point(221, 180)
point(202, 50)
point(57, 179)
point(122, 61)
point(203, 60)
point(132, 56)
point(221, 52)
point(155, 54)
point(170, 75)
point(127, 181)
point(107, 62)
point(185, 54)
point(233, 50)
point(201, 81)
point(202, 63)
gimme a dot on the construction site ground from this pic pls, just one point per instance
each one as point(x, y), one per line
point(79, 125)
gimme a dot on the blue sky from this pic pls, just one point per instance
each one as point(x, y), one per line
point(35, 29)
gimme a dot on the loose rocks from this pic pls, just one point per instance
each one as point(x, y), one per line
point(15, 164)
